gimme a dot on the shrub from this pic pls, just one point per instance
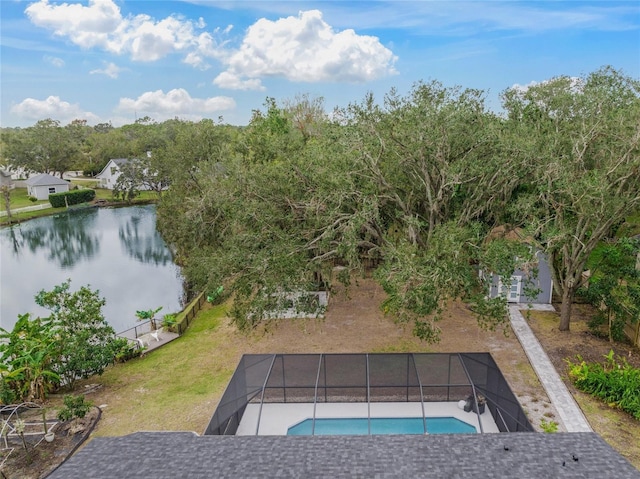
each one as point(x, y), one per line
point(58, 200)
point(615, 382)
point(124, 350)
point(7, 394)
point(33, 199)
point(169, 322)
point(549, 426)
point(74, 407)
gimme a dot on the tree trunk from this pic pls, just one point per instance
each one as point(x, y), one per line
point(565, 310)
point(6, 195)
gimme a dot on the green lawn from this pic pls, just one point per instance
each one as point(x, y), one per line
point(20, 199)
point(173, 387)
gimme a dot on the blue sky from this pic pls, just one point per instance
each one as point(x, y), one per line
point(118, 60)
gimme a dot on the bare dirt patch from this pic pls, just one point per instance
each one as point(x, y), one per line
point(355, 323)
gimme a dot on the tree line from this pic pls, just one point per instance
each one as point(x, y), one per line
point(410, 185)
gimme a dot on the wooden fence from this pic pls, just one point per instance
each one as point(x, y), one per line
point(632, 331)
point(185, 318)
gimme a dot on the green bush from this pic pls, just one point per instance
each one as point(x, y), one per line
point(549, 426)
point(74, 407)
point(603, 324)
point(169, 322)
point(124, 350)
point(615, 382)
point(74, 197)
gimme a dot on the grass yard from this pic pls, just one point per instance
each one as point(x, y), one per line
point(172, 387)
point(20, 199)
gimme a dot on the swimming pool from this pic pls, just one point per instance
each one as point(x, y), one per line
point(380, 425)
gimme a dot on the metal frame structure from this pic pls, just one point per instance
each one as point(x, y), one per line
point(368, 378)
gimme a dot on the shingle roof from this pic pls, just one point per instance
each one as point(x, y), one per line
point(121, 161)
point(169, 455)
point(118, 161)
point(45, 179)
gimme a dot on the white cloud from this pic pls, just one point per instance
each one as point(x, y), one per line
point(85, 26)
point(232, 81)
point(100, 24)
point(53, 107)
point(55, 61)
point(301, 48)
point(305, 49)
point(175, 103)
point(111, 70)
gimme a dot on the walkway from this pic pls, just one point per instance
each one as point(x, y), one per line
point(570, 413)
point(42, 206)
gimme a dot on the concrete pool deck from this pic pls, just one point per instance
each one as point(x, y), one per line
point(570, 413)
point(277, 418)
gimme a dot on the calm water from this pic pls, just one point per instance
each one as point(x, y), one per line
point(380, 425)
point(117, 251)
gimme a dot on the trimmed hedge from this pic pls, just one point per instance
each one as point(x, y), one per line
point(74, 197)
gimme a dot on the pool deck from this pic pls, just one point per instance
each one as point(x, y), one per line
point(277, 418)
point(570, 413)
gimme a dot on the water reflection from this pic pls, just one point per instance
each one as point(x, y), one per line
point(142, 246)
point(15, 239)
point(68, 238)
point(116, 251)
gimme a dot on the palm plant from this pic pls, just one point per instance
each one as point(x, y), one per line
point(150, 315)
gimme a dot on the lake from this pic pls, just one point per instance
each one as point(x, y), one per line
point(115, 250)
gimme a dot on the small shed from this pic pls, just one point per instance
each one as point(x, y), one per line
point(522, 280)
point(44, 184)
point(530, 282)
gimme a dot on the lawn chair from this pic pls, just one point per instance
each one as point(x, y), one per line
point(156, 334)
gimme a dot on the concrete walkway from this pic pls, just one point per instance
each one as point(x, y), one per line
point(42, 206)
point(570, 413)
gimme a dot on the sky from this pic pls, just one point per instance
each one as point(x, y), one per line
point(120, 60)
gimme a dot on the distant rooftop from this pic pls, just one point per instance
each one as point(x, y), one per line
point(45, 179)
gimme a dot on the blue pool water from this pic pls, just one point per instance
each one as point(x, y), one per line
point(380, 425)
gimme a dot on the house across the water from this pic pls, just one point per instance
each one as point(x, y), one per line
point(44, 184)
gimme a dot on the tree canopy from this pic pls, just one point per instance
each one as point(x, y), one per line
point(409, 186)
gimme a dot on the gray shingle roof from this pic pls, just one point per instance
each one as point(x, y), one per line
point(45, 179)
point(170, 455)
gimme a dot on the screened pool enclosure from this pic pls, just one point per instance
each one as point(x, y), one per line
point(366, 386)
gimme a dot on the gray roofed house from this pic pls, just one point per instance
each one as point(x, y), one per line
point(44, 184)
point(170, 455)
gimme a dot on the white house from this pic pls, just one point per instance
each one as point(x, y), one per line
point(109, 175)
point(44, 184)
